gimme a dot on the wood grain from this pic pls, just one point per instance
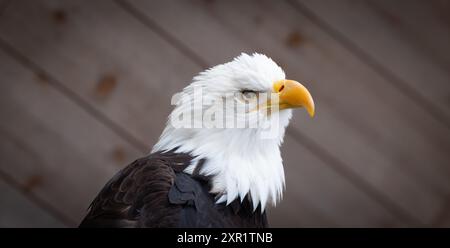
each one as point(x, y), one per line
point(310, 180)
point(391, 41)
point(104, 72)
point(16, 210)
point(425, 24)
point(96, 40)
point(52, 147)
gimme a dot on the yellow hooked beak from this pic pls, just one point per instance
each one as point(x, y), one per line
point(292, 94)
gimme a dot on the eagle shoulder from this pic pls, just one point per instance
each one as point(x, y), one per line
point(137, 196)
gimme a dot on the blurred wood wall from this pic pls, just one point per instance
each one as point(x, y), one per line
point(86, 85)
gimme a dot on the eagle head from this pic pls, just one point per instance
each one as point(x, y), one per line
point(233, 117)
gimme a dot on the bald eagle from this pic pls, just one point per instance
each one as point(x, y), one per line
point(202, 174)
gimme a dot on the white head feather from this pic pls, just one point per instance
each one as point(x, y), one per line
point(239, 160)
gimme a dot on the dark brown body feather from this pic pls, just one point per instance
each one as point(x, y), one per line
point(154, 192)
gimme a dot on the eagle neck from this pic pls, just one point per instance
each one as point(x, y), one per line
point(237, 162)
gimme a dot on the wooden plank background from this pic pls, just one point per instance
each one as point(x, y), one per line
point(86, 86)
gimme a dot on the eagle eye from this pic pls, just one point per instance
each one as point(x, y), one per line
point(248, 94)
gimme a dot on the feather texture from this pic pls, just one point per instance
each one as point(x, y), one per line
point(155, 192)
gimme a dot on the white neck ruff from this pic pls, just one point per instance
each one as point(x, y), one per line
point(238, 160)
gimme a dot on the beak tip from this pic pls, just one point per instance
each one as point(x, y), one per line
point(311, 112)
point(310, 107)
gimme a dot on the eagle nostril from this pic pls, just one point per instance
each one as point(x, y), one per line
point(281, 88)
